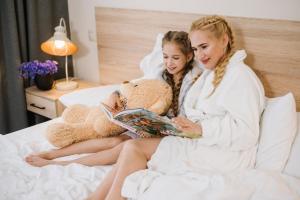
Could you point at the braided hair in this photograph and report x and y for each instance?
(218, 26)
(181, 39)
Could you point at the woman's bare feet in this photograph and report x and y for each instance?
(38, 161)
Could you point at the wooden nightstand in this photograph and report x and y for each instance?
(46, 103)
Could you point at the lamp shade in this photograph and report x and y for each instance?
(50, 47)
(59, 44)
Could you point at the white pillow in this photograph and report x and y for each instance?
(90, 96)
(293, 165)
(277, 132)
(152, 64)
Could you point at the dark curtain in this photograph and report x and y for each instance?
(24, 25)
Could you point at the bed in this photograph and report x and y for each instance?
(124, 37)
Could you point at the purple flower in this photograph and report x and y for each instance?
(32, 68)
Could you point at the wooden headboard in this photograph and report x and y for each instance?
(125, 36)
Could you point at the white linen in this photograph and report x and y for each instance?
(19, 180)
(277, 133)
(211, 185)
(152, 64)
(89, 96)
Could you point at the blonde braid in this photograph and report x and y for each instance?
(218, 26)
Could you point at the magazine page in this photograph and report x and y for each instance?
(111, 114)
(141, 121)
(147, 121)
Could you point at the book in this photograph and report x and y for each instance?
(144, 122)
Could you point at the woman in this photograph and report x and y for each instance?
(223, 107)
(179, 73)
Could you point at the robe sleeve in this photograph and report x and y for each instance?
(242, 99)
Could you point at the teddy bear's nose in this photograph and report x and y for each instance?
(125, 82)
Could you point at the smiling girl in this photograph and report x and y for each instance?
(180, 71)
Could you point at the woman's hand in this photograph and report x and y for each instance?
(187, 126)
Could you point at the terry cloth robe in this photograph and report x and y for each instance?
(187, 83)
(230, 125)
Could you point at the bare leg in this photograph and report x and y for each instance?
(89, 146)
(133, 157)
(102, 191)
(105, 157)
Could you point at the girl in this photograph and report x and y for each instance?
(179, 73)
(223, 106)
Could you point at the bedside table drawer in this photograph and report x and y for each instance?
(41, 106)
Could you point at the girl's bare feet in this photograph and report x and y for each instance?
(45, 154)
(38, 161)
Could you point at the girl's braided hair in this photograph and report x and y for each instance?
(218, 26)
(181, 39)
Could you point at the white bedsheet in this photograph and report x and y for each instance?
(18, 180)
(89, 96)
(208, 185)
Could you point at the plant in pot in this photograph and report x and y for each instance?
(40, 72)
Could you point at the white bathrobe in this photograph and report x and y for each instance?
(230, 126)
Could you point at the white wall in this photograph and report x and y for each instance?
(83, 30)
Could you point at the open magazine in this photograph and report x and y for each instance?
(141, 121)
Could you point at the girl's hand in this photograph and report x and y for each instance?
(187, 126)
(114, 101)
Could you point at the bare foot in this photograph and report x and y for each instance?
(45, 154)
(38, 161)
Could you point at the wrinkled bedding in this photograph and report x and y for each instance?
(209, 185)
(18, 180)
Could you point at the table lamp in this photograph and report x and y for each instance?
(60, 45)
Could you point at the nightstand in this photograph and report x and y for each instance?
(46, 103)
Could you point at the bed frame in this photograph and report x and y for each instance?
(125, 36)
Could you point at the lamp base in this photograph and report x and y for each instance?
(66, 85)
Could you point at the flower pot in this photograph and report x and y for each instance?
(44, 82)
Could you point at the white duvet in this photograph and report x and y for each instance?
(209, 185)
(18, 180)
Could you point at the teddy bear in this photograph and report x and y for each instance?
(80, 122)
